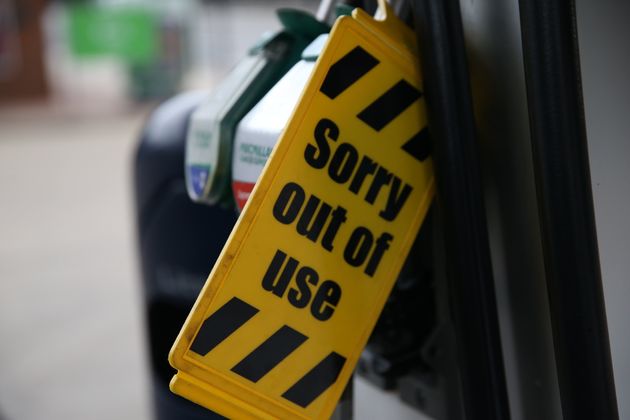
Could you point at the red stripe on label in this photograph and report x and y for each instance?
(242, 190)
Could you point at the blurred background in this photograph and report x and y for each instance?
(78, 79)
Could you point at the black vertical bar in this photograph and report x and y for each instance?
(270, 353)
(389, 105)
(221, 324)
(565, 202)
(316, 381)
(461, 207)
(347, 71)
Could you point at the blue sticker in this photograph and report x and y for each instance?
(197, 177)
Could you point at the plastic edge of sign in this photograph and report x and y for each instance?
(214, 399)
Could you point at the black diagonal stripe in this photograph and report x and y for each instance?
(315, 382)
(389, 105)
(419, 146)
(269, 354)
(345, 72)
(223, 322)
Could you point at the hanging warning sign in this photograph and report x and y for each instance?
(293, 298)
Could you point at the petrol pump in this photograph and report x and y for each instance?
(334, 258)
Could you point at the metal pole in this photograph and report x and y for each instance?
(565, 203)
(461, 208)
(345, 409)
(325, 10)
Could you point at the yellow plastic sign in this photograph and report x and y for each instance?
(295, 294)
